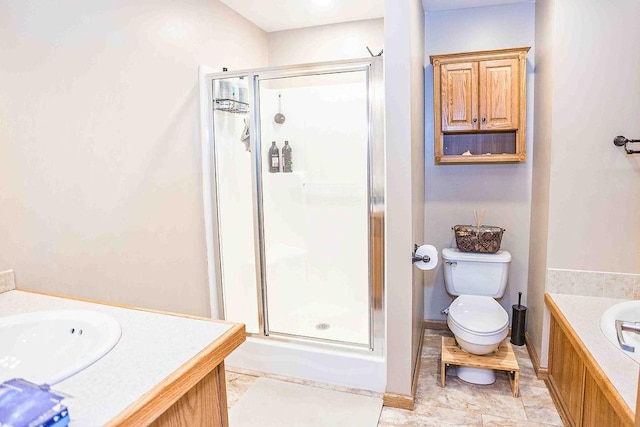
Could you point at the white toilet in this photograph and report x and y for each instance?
(476, 319)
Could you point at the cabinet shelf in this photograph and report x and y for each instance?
(480, 106)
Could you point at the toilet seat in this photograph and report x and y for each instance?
(479, 323)
(478, 315)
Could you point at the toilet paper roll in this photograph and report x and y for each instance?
(432, 253)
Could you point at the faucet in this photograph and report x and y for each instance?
(621, 325)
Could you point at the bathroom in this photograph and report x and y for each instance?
(103, 189)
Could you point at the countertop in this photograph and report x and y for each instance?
(152, 346)
(583, 314)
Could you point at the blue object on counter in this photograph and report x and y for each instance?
(25, 404)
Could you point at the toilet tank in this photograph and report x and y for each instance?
(467, 273)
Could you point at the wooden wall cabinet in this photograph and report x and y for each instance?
(583, 394)
(480, 106)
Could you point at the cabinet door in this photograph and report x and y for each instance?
(459, 92)
(499, 94)
(597, 409)
(566, 373)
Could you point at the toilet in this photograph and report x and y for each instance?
(476, 319)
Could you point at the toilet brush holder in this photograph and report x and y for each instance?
(518, 322)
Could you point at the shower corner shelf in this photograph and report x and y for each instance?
(230, 106)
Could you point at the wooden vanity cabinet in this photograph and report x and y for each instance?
(566, 374)
(584, 396)
(582, 401)
(480, 106)
(597, 410)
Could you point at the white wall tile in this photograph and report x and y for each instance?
(589, 283)
(617, 285)
(560, 281)
(593, 283)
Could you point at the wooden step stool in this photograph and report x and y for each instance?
(503, 359)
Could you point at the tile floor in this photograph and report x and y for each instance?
(459, 403)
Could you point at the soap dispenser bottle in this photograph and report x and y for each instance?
(274, 158)
(286, 158)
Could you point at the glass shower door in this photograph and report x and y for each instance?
(234, 222)
(314, 139)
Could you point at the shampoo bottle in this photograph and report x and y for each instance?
(286, 158)
(274, 158)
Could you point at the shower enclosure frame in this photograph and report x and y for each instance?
(373, 68)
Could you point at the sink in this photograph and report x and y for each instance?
(628, 311)
(46, 347)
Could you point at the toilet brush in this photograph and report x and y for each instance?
(518, 322)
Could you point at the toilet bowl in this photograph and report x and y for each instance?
(478, 322)
(479, 325)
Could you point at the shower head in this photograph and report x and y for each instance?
(279, 118)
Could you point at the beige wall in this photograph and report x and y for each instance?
(403, 96)
(591, 74)
(100, 164)
(453, 191)
(417, 32)
(326, 42)
(541, 156)
(594, 208)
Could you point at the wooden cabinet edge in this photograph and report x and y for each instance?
(611, 394)
(437, 118)
(516, 52)
(563, 411)
(161, 398)
(204, 405)
(480, 159)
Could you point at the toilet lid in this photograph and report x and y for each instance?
(478, 314)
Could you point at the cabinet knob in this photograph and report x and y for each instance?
(475, 120)
(484, 120)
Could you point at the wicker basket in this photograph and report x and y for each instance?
(488, 240)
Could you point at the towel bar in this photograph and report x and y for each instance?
(621, 141)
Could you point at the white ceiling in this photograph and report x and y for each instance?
(277, 15)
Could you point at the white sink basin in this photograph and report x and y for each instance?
(628, 311)
(46, 347)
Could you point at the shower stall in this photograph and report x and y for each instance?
(297, 214)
